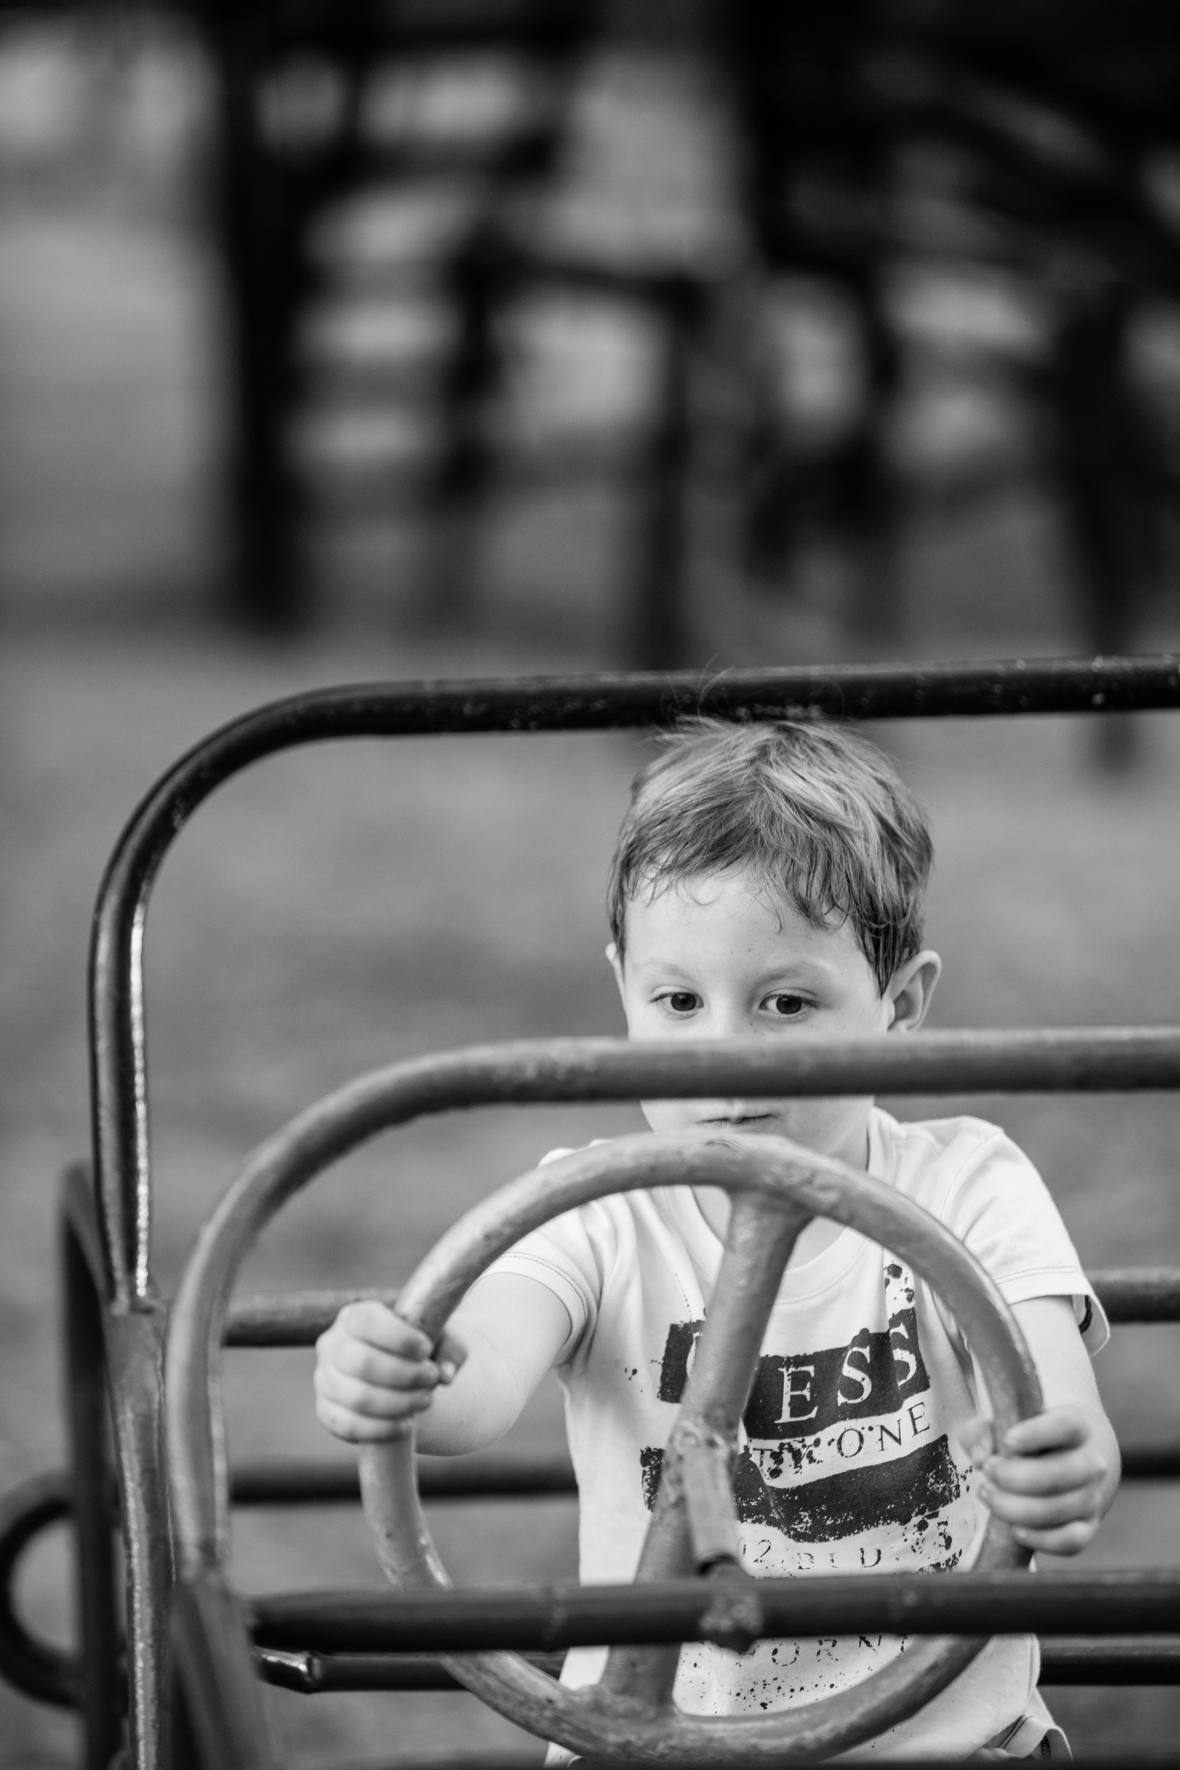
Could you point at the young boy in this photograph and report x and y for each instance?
(769, 881)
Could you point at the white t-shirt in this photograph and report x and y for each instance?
(847, 1458)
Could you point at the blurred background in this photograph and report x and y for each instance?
(480, 336)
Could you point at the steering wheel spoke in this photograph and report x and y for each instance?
(693, 1523)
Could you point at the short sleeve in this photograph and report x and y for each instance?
(997, 1203)
(567, 1256)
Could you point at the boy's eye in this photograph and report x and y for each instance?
(681, 1001)
(785, 1005)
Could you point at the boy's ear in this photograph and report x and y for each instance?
(911, 990)
(616, 964)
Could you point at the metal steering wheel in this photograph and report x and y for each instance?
(777, 1187)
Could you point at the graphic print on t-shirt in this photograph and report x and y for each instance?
(845, 1465)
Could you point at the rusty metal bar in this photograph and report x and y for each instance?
(564, 1614)
(1065, 1659)
(1139, 1294)
(498, 1475)
(314, 1673)
(119, 1099)
(49, 1673)
(1152, 1462)
(221, 1689)
(706, 1472)
(504, 1476)
(489, 1476)
(101, 1692)
(508, 1760)
(297, 1318)
(41, 1669)
(114, 1392)
(1134, 1659)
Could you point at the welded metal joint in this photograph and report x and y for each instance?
(734, 1618)
(700, 1459)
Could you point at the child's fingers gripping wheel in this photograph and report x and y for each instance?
(778, 1187)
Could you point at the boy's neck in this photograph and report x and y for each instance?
(814, 1237)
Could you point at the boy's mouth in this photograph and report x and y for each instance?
(740, 1121)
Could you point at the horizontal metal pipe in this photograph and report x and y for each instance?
(510, 1760)
(290, 1318)
(1065, 1659)
(985, 1060)
(315, 1673)
(486, 1759)
(545, 1618)
(1151, 1462)
(1137, 1659)
(306, 1481)
(297, 1318)
(496, 1475)
(1139, 1294)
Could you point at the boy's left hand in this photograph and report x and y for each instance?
(1049, 1479)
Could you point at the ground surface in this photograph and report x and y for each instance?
(334, 911)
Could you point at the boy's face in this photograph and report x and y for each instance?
(715, 958)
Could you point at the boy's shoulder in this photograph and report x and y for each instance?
(921, 1155)
(962, 1130)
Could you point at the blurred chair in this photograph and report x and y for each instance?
(1029, 149)
(893, 164)
(454, 110)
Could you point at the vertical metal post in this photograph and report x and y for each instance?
(87, 1434)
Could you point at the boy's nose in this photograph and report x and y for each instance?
(727, 1023)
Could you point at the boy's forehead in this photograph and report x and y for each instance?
(733, 885)
(679, 910)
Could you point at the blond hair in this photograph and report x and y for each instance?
(813, 811)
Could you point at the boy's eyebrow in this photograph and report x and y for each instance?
(658, 962)
(820, 968)
(800, 969)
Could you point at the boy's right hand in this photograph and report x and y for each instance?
(374, 1372)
